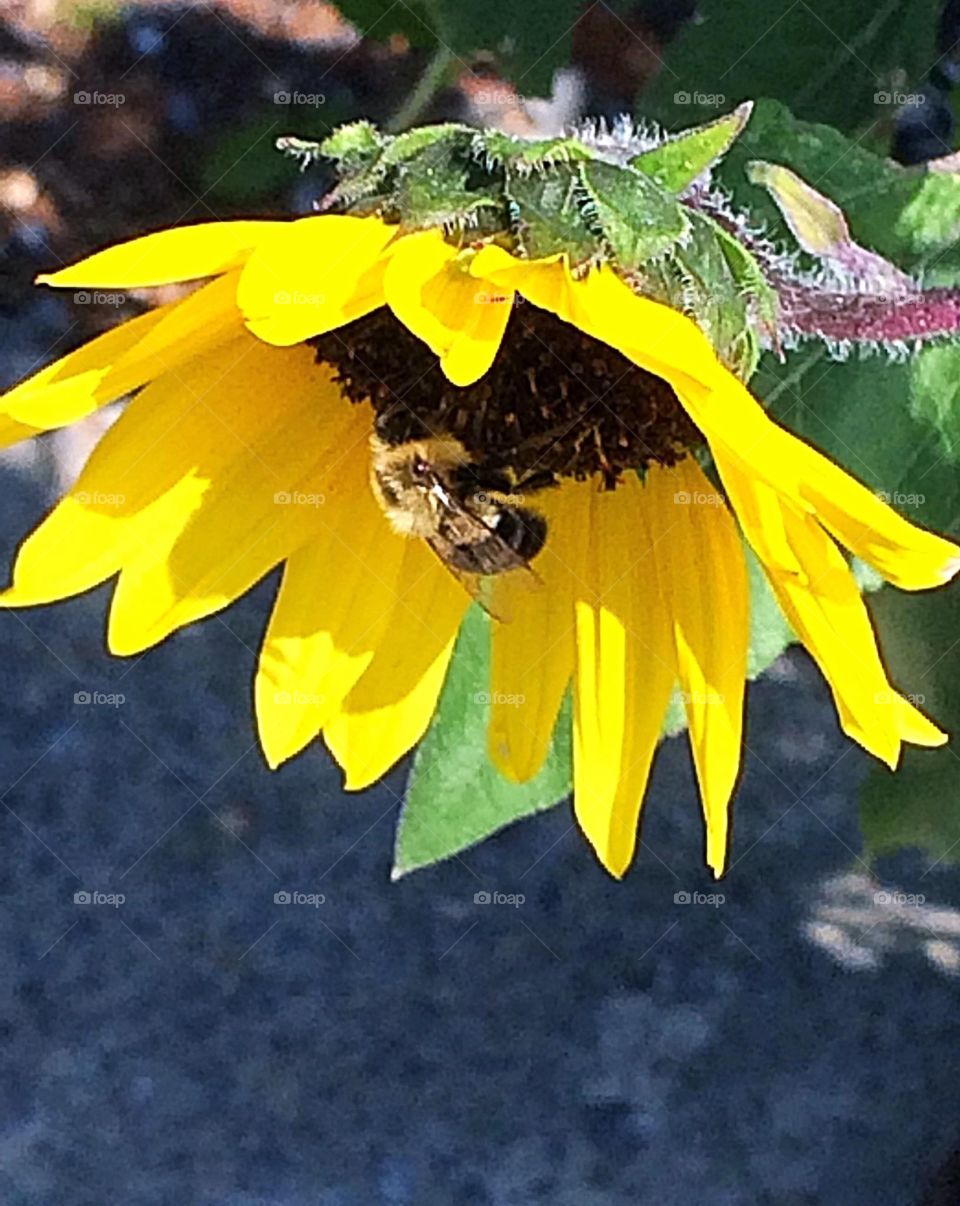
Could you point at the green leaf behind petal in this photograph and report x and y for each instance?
(770, 634)
(456, 797)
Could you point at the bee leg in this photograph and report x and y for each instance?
(534, 482)
(610, 475)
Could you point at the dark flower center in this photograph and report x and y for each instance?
(554, 402)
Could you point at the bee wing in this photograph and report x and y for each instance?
(493, 591)
(502, 590)
(477, 586)
(463, 537)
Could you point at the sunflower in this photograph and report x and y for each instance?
(247, 445)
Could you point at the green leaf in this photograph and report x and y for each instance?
(916, 808)
(719, 289)
(770, 633)
(456, 797)
(820, 227)
(433, 187)
(354, 145)
(525, 153)
(919, 806)
(859, 413)
(815, 221)
(439, 198)
(449, 137)
(676, 164)
(750, 281)
(910, 215)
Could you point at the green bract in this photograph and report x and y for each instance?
(598, 197)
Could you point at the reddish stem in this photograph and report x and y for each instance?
(868, 318)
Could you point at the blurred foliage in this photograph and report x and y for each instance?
(531, 39)
(919, 806)
(826, 60)
(911, 215)
(242, 166)
(86, 15)
(865, 411)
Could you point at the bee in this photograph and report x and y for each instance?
(469, 513)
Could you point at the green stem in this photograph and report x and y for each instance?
(428, 85)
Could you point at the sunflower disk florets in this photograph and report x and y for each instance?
(556, 399)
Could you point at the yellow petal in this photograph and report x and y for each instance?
(207, 317)
(829, 616)
(461, 319)
(265, 444)
(740, 433)
(125, 357)
(389, 709)
(312, 276)
(80, 382)
(322, 635)
(704, 577)
(185, 253)
(667, 343)
(652, 335)
(122, 502)
(332, 612)
(906, 555)
(914, 727)
(85, 540)
(12, 432)
(625, 669)
(532, 653)
(167, 491)
(762, 511)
